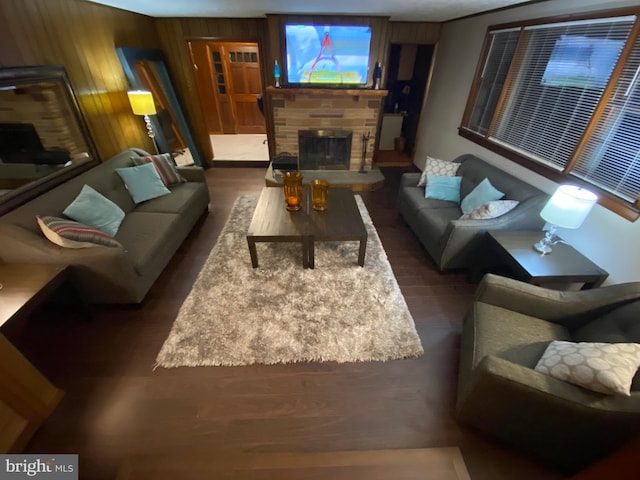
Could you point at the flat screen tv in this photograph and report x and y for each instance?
(579, 61)
(329, 55)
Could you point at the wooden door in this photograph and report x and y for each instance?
(229, 84)
(246, 86)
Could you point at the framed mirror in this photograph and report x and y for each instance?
(44, 139)
(146, 69)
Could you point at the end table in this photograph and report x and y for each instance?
(513, 250)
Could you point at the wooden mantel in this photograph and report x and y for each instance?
(337, 92)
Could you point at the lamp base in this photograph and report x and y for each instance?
(544, 245)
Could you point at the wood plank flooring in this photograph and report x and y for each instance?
(116, 405)
(396, 464)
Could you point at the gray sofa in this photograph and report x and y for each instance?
(150, 233)
(453, 243)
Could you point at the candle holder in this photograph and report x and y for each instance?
(319, 193)
(292, 190)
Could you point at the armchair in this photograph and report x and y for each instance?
(504, 335)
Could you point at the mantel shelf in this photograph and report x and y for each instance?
(355, 92)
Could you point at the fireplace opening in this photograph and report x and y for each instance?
(324, 149)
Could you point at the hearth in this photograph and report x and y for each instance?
(321, 149)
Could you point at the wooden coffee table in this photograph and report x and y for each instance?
(341, 221)
(272, 222)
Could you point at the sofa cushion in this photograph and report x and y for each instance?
(145, 235)
(435, 166)
(184, 197)
(483, 192)
(143, 182)
(443, 188)
(70, 234)
(93, 209)
(602, 367)
(513, 336)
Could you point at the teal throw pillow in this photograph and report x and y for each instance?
(483, 193)
(440, 187)
(93, 209)
(143, 182)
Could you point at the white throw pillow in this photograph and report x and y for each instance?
(602, 367)
(435, 166)
(490, 210)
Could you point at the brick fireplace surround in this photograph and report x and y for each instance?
(357, 110)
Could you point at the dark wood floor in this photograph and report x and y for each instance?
(117, 405)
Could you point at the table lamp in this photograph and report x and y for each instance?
(567, 208)
(142, 104)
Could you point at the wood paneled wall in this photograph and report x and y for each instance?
(82, 37)
(414, 32)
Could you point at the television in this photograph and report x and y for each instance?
(579, 61)
(329, 55)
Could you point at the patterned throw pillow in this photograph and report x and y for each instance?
(601, 367)
(165, 167)
(70, 234)
(435, 166)
(488, 210)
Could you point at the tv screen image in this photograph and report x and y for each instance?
(327, 54)
(578, 61)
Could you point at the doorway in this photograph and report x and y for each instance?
(229, 86)
(407, 77)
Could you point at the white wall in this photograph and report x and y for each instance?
(606, 238)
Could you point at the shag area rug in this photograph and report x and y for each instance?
(282, 313)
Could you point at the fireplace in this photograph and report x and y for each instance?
(321, 149)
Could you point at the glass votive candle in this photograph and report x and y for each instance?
(292, 190)
(319, 194)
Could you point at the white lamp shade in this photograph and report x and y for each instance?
(569, 206)
(141, 102)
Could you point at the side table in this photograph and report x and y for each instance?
(514, 251)
(27, 398)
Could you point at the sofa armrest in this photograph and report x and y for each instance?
(410, 179)
(462, 237)
(552, 419)
(192, 174)
(563, 307)
(20, 245)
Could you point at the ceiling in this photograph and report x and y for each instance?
(397, 10)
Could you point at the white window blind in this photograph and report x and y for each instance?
(502, 45)
(563, 99)
(611, 156)
(559, 75)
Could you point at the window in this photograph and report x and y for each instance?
(564, 99)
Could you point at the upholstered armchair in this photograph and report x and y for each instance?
(505, 334)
